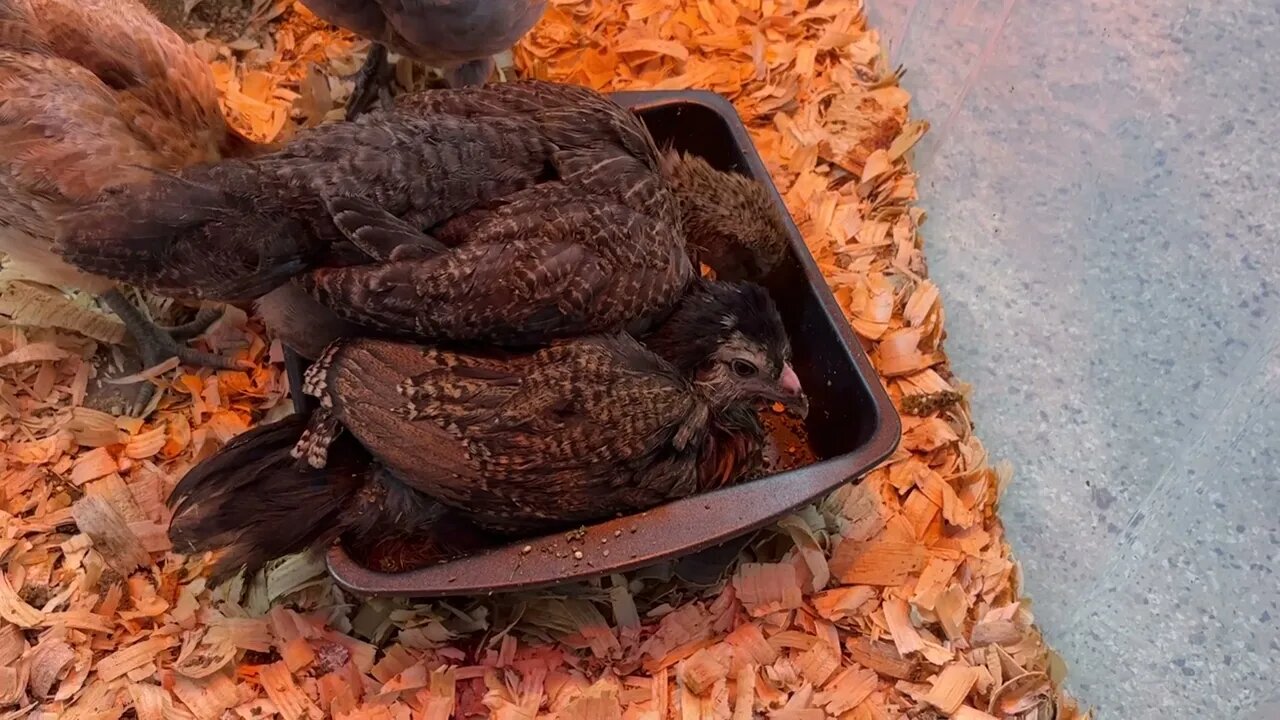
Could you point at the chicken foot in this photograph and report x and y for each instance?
(469, 74)
(157, 344)
(475, 73)
(188, 330)
(373, 82)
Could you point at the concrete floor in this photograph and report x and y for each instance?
(1102, 183)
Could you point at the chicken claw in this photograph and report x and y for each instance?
(470, 74)
(373, 83)
(190, 330)
(157, 344)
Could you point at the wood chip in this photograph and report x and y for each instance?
(1001, 632)
(876, 563)
(951, 687)
(33, 353)
(933, 582)
(34, 305)
(207, 698)
(765, 588)
(847, 690)
(150, 702)
(12, 643)
(111, 534)
(883, 658)
(751, 643)
(701, 672)
(965, 712)
(95, 429)
(843, 602)
(951, 607)
(47, 663)
(147, 444)
(92, 465)
(120, 662)
(150, 373)
(202, 656)
(818, 664)
(15, 609)
(288, 698)
(898, 618)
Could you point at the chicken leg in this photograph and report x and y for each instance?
(470, 74)
(193, 329)
(157, 344)
(373, 82)
(374, 79)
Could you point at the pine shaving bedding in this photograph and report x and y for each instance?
(895, 597)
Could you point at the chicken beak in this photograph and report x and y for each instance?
(791, 394)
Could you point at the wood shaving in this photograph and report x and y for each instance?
(34, 305)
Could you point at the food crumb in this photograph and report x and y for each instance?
(577, 554)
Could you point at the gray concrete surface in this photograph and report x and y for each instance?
(1102, 186)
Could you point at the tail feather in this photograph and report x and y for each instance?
(253, 499)
(212, 233)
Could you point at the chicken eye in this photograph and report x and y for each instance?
(743, 369)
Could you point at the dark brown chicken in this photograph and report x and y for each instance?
(94, 93)
(516, 212)
(515, 443)
(460, 36)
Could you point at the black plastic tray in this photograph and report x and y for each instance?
(852, 424)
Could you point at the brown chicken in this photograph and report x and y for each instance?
(460, 36)
(510, 214)
(93, 94)
(514, 443)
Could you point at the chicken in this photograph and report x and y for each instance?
(93, 94)
(514, 443)
(461, 36)
(514, 213)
